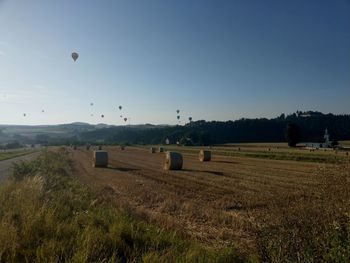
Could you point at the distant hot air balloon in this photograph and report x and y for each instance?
(24, 114)
(102, 116)
(125, 119)
(178, 117)
(177, 111)
(190, 119)
(120, 107)
(42, 110)
(121, 116)
(91, 104)
(75, 56)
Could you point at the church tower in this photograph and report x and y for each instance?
(326, 136)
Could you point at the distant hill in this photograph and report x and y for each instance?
(57, 133)
(311, 123)
(28, 134)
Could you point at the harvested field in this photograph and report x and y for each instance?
(219, 203)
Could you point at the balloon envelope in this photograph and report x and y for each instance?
(102, 116)
(178, 117)
(120, 107)
(75, 56)
(125, 119)
(177, 111)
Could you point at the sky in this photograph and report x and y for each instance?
(212, 60)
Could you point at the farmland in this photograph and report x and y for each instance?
(234, 208)
(233, 201)
(13, 153)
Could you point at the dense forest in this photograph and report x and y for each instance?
(312, 126)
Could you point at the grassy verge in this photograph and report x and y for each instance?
(47, 216)
(13, 154)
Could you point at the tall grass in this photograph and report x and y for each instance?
(47, 216)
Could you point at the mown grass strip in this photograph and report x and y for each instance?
(13, 154)
(288, 156)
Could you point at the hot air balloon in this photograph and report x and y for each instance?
(102, 116)
(43, 111)
(177, 111)
(75, 56)
(91, 104)
(121, 116)
(120, 107)
(24, 114)
(125, 119)
(178, 117)
(190, 119)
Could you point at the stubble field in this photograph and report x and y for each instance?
(230, 201)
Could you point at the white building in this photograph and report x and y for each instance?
(326, 144)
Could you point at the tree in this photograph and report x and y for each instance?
(293, 134)
(204, 138)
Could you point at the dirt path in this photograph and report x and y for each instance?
(6, 165)
(215, 202)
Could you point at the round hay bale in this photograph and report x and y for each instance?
(152, 150)
(100, 159)
(160, 149)
(204, 156)
(173, 161)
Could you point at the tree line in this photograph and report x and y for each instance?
(310, 125)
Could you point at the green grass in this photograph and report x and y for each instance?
(287, 156)
(48, 216)
(13, 154)
(291, 156)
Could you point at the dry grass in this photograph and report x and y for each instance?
(309, 226)
(47, 216)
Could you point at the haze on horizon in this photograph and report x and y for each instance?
(213, 61)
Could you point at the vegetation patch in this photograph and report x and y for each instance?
(13, 154)
(288, 156)
(47, 216)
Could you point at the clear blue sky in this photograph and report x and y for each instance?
(210, 59)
